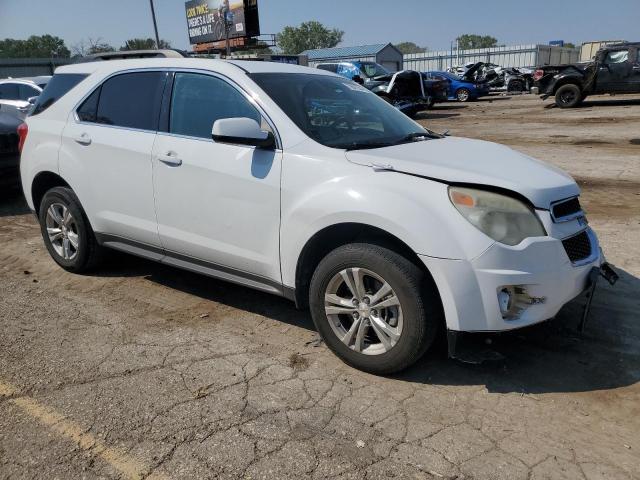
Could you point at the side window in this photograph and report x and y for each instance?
(197, 101)
(329, 67)
(8, 91)
(132, 100)
(88, 111)
(25, 92)
(619, 56)
(638, 56)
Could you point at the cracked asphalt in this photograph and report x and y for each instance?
(144, 371)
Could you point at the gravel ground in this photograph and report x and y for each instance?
(143, 371)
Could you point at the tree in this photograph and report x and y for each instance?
(469, 41)
(309, 35)
(410, 47)
(90, 46)
(144, 44)
(43, 46)
(569, 45)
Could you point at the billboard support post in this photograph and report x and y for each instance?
(155, 24)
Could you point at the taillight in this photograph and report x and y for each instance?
(23, 129)
(538, 74)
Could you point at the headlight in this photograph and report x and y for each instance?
(503, 218)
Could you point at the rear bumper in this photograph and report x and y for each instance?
(469, 288)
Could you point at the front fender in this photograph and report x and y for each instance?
(415, 210)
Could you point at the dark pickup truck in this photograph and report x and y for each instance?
(615, 70)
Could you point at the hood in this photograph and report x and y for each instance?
(468, 75)
(462, 160)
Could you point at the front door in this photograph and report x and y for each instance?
(614, 72)
(217, 204)
(635, 71)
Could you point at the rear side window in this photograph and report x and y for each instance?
(8, 91)
(329, 67)
(199, 100)
(131, 100)
(56, 88)
(88, 111)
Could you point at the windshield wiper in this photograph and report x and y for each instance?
(416, 135)
(363, 145)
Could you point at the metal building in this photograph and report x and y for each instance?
(29, 67)
(383, 53)
(507, 56)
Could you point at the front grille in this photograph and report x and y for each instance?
(578, 247)
(566, 208)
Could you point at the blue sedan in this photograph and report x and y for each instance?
(460, 89)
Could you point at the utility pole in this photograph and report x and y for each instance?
(155, 25)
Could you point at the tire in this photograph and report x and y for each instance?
(412, 319)
(68, 236)
(463, 95)
(516, 86)
(569, 96)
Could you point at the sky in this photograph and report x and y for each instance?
(433, 24)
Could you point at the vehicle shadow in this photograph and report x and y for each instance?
(554, 356)
(206, 288)
(550, 357)
(12, 202)
(626, 102)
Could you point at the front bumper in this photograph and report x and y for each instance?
(469, 288)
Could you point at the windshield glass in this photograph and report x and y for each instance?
(339, 113)
(371, 69)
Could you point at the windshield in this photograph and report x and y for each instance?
(371, 69)
(339, 113)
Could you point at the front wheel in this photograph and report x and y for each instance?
(374, 309)
(463, 95)
(569, 96)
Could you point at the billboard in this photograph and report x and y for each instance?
(206, 19)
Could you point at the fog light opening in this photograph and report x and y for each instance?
(513, 300)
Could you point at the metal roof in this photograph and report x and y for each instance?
(345, 52)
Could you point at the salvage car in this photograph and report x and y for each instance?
(460, 89)
(497, 78)
(18, 94)
(304, 184)
(615, 70)
(409, 91)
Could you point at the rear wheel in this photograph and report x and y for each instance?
(66, 231)
(375, 309)
(569, 96)
(463, 95)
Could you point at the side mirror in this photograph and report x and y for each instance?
(358, 79)
(242, 131)
(32, 100)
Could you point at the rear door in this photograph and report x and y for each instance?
(106, 151)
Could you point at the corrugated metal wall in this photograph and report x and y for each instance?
(313, 63)
(29, 67)
(507, 56)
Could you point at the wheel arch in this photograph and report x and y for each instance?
(561, 82)
(336, 235)
(42, 183)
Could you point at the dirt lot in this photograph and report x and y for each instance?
(143, 371)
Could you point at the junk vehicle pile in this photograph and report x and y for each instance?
(614, 70)
(408, 90)
(496, 77)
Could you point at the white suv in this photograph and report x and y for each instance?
(301, 183)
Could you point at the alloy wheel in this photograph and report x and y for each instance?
(62, 231)
(363, 310)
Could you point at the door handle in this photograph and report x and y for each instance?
(83, 139)
(170, 158)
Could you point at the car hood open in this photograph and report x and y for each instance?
(466, 161)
